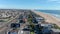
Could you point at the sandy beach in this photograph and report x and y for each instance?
(49, 18)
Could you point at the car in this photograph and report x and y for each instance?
(21, 21)
(15, 25)
(26, 29)
(12, 33)
(21, 32)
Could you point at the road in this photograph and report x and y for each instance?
(5, 28)
(14, 20)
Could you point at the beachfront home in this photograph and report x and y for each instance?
(40, 19)
(47, 25)
(46, 28)
(46, 31)
(55, 31)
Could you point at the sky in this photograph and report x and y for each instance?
(30, 4)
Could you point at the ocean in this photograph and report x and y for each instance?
(55, 13)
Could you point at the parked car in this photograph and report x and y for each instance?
(26, 29)
(21, 21)
(15, 25)
(12, 33)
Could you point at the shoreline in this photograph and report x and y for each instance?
(55, 15)
(52, 15)
(48, 18)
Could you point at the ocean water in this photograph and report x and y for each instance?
(55, 13)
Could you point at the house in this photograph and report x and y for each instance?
(55, 31)
(46, 31)
(40, 19)
(46, 28)
(47, 25)
(37, 29)
(34, 21)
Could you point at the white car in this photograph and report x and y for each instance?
(20, 32)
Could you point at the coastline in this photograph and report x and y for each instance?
(48, 18)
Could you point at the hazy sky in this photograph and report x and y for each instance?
(30, 4)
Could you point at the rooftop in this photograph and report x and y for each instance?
(55, 30)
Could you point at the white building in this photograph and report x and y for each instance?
(47, 25)
(39, 19)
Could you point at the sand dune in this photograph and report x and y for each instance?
(49, 18)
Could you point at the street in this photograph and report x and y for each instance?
(7, 26)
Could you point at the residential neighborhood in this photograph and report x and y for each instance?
(15, 21)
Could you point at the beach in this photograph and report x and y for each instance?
(49, 18)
